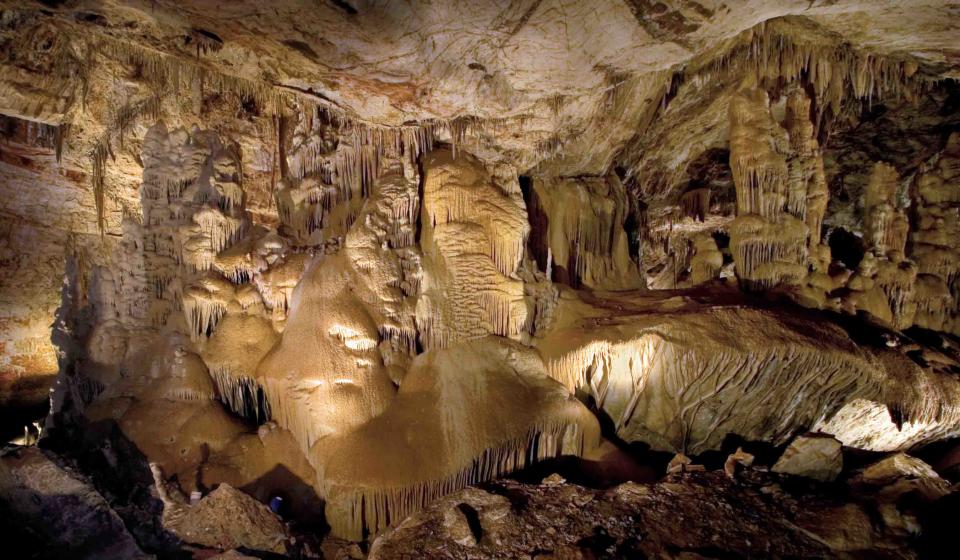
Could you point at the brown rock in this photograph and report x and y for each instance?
(227, 518)
(844, 528)
(681, 464)
(813, 456)
(60, 508)
(462, 524)
(740, 457)
(899, 474)
(553, 480)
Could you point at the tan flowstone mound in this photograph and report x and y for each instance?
(438, 435)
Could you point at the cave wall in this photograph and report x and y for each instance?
(48, 244)
(248, 275)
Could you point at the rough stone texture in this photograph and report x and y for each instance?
(684, 516)
(900, 474)
(682, 372)
(812, 456)
(227, 518)
(59, 510)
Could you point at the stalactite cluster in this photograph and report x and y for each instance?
(768, 238)
(579, 234)
(934, 243)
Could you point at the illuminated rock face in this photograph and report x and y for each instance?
(681, 376)
(412, 259)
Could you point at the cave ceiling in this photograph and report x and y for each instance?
(552, 87)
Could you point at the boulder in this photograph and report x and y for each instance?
(682, 464)
(227, 518)
(815, 456)
(60, 509)
(844, 528)
(900, 474)
(736, 460)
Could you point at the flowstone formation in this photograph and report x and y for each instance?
(352, 260)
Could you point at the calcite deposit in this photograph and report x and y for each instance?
(352, 259)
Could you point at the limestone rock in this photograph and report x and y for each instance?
(682, 464)
(899, 474)
(633, 354)
(553, 480)
(227, 518)
(438, 436)
(61, 509)
(736, 460)
(384, 226)
(843, 528)
(813, 456)
(232, 555)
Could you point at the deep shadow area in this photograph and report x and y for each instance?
(121, 474)
(300, 503)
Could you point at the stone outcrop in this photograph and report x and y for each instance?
(680, 516)
(815, 456)
(227, 518)
(58, 510)
(681, 374)
(366, 255)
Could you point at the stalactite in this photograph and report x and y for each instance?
(935, 242)
(886, 222)
(580, 224)
(696, 203)
(99, 164)
(759, 171)
(202, 315)
(243, 395)
(373, 509)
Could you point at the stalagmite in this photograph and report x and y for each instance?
(807, 184)
(886, 221)
(707, 259)
(935, 244)
(759, 170)
(353, 259)
(768, 239)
